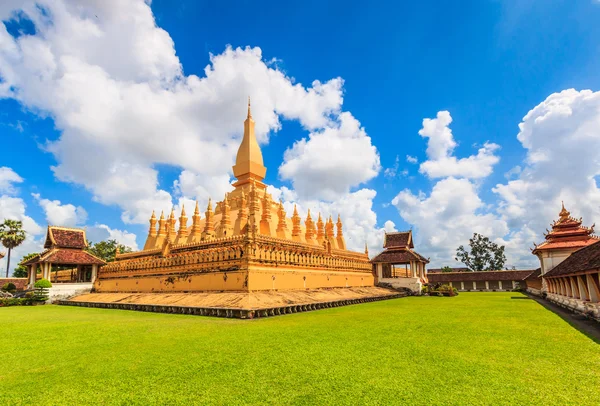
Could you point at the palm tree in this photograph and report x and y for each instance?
(11, 236)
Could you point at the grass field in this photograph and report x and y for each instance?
(477, 348)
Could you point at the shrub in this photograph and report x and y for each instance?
(9, 287)
(14, 301)
(43, 284)
(41, 290)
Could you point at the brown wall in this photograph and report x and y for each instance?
(20, 283)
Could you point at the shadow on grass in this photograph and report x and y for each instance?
(588, 327)
(520, 297)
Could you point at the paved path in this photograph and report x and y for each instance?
(588, 327)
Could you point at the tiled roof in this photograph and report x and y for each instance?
(65, 237)
(71, 256)
(438, 270)
(479, 276)
(534, 275)
(552, 245)
(399, 256)
(65, 256)
(582, 260)
(401, 239)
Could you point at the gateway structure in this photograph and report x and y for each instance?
(244, 243)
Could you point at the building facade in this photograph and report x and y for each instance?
(485, 281)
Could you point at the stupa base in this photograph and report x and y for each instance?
(243, 305)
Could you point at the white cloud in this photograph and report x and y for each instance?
(13, 208)
(110, 79)
(561, 138)
(331, 161)
(440, 146)
(412, 159)
(393, 171)
(447, 218)
(8, 178)
(102, 232)
(59, 214)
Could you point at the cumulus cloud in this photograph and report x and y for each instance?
(447, 218)
(102, 232)
(442, 163)
(332, 160)
(13, 207)
(8, 178)
(110, 79)
(411, 159)
(561, 138)
(60, 214)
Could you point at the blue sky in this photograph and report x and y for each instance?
(486, 63)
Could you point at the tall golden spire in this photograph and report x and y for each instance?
(296, 230)
(196, 230)
(152, 231)
(265, 220)
(249, 160)
(209, 228)
(320, 229)
(182, 233)
(162, 224)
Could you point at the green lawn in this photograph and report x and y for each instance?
(477, 348)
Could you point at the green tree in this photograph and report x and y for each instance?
(11, 236)
(447, 269)
(105, 250)
(483, 256)
(21, 271)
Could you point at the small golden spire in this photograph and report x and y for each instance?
(183, 210)
(249, 112)
(153, 216)
(366, 249)
(197, 210)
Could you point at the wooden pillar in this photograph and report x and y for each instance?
(593, 288)
(32, 274)
(574, 290)
(94, 272)
(487, 285)
(462, 286)
(581, 285)
(474, 285)
(499, 285)
(413, 269)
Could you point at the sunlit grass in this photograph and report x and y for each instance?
(477, 348)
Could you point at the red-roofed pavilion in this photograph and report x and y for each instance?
(64, 248)
(399, 264)
(567, 236)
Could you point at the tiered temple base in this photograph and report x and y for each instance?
(243, 305)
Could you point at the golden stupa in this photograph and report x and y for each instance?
(245, 243)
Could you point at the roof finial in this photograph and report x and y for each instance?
(249, 112)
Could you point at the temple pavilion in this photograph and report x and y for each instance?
(244, 242)
(65, 252)
(399, 264)
(570, 265)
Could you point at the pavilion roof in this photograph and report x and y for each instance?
(399, 256)
(401, 239)
(567, 233)
(64, 237)
(66, 256)
(582, 260)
